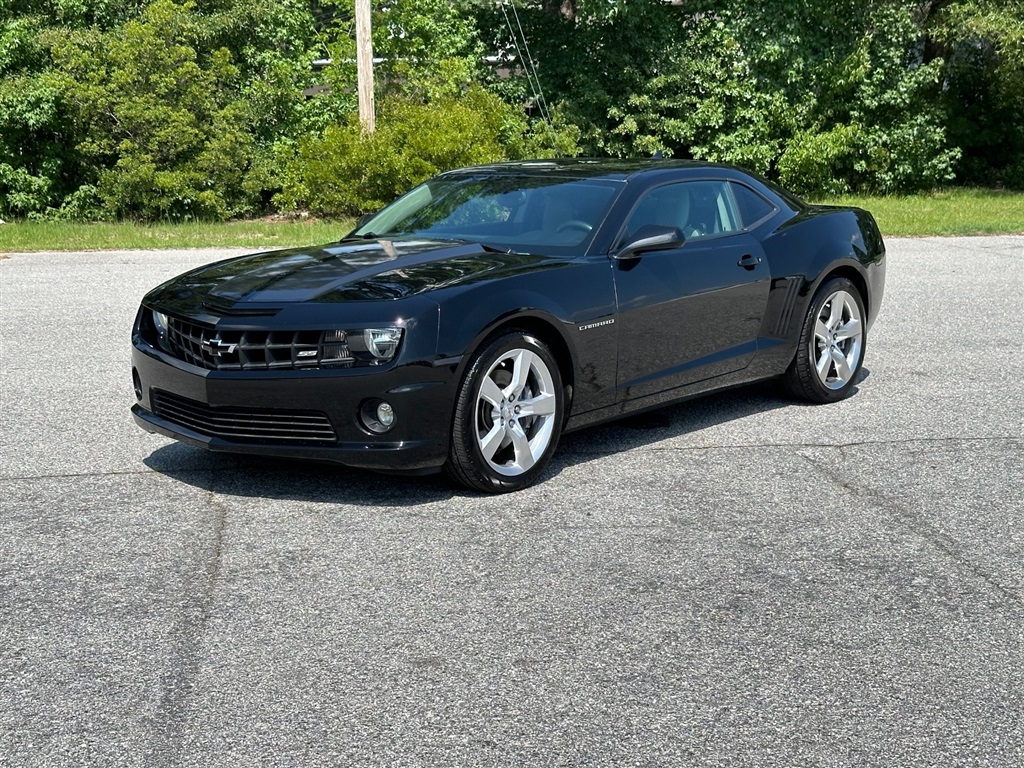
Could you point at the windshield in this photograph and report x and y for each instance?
(522, 213)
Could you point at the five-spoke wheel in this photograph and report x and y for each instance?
(508, 416)
(831, 346)
(838, 333)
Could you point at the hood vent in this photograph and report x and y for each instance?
(225, 310)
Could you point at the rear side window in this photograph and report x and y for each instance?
(701, 208)
(751, 206)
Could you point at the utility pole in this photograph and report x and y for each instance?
(364, 66)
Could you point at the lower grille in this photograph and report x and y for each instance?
(252, 425)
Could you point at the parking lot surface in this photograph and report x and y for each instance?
(739, 580)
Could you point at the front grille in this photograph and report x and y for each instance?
(214, 350)
(252, 425)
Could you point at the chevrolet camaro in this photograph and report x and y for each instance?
(468, 324)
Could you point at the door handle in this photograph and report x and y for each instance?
(749, 261)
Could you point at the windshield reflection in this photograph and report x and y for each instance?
(528, 213)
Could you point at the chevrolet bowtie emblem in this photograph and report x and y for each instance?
(217, 347)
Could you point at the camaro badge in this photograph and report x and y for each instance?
(598, 324)
(217, 347)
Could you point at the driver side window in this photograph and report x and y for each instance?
(697, 208)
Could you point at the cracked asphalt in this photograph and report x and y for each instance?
(735, 581)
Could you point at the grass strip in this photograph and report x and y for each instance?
(261, 234)
(945, 213)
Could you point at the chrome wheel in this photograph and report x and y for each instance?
(515, 412)
(508, 414)
(830, 351)
(836, 346)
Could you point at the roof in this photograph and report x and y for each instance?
(622, 170)
(584, 167)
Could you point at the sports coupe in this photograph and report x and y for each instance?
(468, 324)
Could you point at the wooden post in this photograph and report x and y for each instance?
(364, 66)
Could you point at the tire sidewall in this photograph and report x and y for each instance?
(476, 470)
(805, 362)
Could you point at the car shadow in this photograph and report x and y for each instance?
(273, 478)
(260, 477)
(670, 421)
(648, 427)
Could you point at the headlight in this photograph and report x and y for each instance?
(382, 343)
(369, 346)
(160, 323)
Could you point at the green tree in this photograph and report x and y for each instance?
(982, 42)
(162, 126)
(425, 49)
(150, 110)
(38, 162)
(175, 109)
(433, 114)
(752, 82)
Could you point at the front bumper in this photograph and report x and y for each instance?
(422, 396)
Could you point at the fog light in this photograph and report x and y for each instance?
(376, 416)
(386, 415)
(137, 383)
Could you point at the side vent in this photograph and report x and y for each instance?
(788, 304)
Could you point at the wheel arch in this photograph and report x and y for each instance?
(802, 378)
(540, 325)
(468, 463)
(852, 274)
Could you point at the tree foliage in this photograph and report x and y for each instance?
(161, 134)
(179, 109)
(346, 170)
(826, 97)
(433, 114)
(982, 42)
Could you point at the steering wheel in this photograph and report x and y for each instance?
(574, 224)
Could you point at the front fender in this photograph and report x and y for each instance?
(573, 317)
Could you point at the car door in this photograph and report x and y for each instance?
(693, 312)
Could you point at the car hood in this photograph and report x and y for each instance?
(352, 271)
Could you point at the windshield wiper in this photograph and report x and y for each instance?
(364, 236)
(492, 248)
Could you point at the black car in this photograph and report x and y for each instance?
(468, 324)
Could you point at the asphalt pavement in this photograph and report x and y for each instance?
(739, 580)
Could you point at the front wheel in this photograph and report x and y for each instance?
(831, 347)
(508, 416)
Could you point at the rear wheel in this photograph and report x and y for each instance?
(508, 416)
(831, 348)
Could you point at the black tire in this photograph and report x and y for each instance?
(833, 338)
(496, 446)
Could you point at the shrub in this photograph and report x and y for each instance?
(347, 171)
(808, 166)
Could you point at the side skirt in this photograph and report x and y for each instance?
(759, 370)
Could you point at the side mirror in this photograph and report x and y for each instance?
(650, 238)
